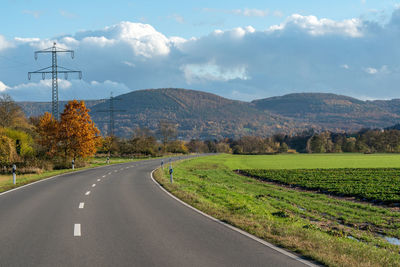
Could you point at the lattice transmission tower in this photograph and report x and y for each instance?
(54, 70)
(111, 109)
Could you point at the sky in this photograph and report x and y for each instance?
(241, 50)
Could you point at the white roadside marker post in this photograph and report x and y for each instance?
(14, 170)
(73, 164)
(170, 174)
(162, 164)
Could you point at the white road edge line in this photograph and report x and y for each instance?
(77, 229)
(87, 193)
(56, 176)
(265, 243)
(81, 205)
(93, 185)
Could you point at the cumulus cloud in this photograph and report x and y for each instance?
(74, 89)
(371, 70)
(315, 26)
(4, 44)
(213, 72)
(3, 87)
(355, 57)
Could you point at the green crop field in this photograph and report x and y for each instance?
(375, 184)
(309, 161)
(333, 231)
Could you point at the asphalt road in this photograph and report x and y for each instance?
(126, 220)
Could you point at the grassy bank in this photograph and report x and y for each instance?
(333, 231)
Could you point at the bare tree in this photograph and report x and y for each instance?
(168, 131)
(11, 115)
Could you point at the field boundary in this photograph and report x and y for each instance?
(259, 240)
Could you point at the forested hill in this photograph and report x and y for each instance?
(197, 114)
(203, 115)
(333, 112)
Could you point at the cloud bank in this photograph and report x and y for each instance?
(302, 54)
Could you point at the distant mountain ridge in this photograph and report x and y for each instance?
(204, 115)
(333, 112)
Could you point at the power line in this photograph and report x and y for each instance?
(111, 109)
(54, 71)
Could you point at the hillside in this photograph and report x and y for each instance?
(333, 112)
(197, 114)
(203, 115)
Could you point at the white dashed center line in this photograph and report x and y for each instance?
(98, 180)
(104, 176)
(93, 185)
(115, 171)
(87, 193)
(81, 205)
(109, 173)
(77, 229)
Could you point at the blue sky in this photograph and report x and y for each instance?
(237, 49)
(46, 19)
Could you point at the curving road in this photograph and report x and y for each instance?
(117, 216)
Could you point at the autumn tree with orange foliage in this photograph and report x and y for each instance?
(78, 135)
(74, 136)
(47, 129)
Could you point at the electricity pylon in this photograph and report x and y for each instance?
(54, 71)
(111, 111)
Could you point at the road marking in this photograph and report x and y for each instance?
(109, 173)
(77, 229)
(93, 185)
(259, 240)
(115, 171)
(87, 193)
(104, 176)
(98, 180)
(81, 205)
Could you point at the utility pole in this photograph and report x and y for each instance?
(54, 71)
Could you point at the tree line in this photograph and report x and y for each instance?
(41, 143)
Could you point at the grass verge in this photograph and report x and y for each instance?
(331, 231)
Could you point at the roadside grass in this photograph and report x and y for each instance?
(332, 231)
(6, 181)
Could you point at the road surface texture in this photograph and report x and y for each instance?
(117, 216)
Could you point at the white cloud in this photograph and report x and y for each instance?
(384, 70)
(4, 44)
(143, 38)
(304, 53)
(251, 12)
(130, 64)
(278, 13)
(177, 18)
(3, 87)
(315, 26)
(213, 72)
(67, 14)
(74, 89)
(371, 70)
(35, 13)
